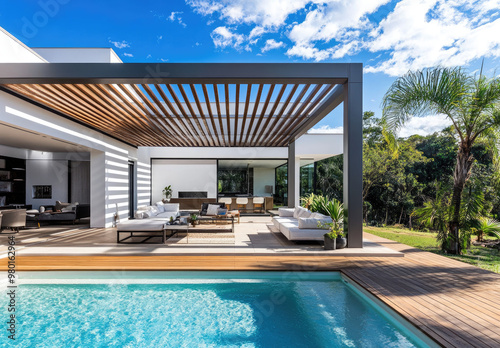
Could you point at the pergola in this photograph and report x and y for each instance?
(205, 105)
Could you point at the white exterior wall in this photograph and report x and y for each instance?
(78, 55)
(14, 51)
(109, 158)
(319, 146)
(184, 175)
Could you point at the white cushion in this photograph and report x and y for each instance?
(147, 214)
(160, 207)
(286, 212)
(313, 223)
(144, 207)
(212, 209)
(301, 212)
(319, 216)
(154, 210)
(140, 225)
(292, 232)
(277, 220)
(166, 215)
(42, 209)
(139, 214)
(171, 207)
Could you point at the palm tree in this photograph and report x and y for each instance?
(472, 105)
(487, 226)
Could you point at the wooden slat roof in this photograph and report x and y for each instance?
(225, 111)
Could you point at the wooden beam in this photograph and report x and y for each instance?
(159, 120)
(245, 113)
(327, 105)
(177, 130)
(279, 118)
(298, 114)
(276, 103)
(190, 136)
(209, 108)
(289, 114)
(262, 114)
(202, 114)
(236, 113)
(228, 114)
(255, 107)
(199, 128)
(219, 115)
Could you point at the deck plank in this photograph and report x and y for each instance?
(456, 304)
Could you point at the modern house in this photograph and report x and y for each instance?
(82, 126)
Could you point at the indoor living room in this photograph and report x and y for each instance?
(43, 180)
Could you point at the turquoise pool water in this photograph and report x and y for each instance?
(161, 309)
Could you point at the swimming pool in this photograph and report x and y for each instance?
(200, 309)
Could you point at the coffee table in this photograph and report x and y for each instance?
(217, 218)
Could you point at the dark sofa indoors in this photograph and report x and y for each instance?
(81, 211)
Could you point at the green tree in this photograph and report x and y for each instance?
(471, 103)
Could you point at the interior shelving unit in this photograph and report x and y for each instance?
(12, 181)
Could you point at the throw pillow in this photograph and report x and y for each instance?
(160, 206)
(301, 212)
(212, 209)
(139, 214)
(42, 209)
(147, 214)
(305, 214)
(59, 205)
(318, 216)
(154, 210)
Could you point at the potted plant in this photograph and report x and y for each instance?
(167, 191)
(331, 239)
(335, 210)
(341, 240)
(171, 220)
(194, 219)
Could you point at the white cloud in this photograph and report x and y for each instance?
(326, 130)
(223, 37)
(424, 125)
(406, 34)
(175, 16)
(128, 54)
(120, 44)
(257, 31)
(272, 44)
(309, 52)
(427, 33)
(264, 13)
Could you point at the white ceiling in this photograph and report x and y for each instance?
(25, 139)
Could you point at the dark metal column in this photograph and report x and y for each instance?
(292, 176)
(353, 156)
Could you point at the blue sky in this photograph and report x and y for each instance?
(388, 37)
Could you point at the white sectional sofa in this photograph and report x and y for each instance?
(158, 211)
(150, 221)
(300, 224)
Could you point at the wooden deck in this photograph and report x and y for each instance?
(456, 304)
